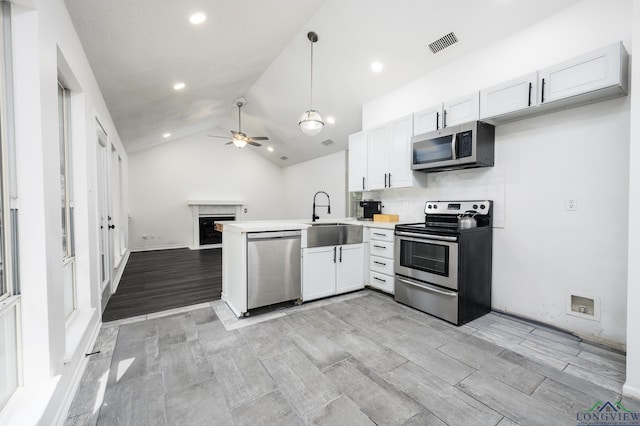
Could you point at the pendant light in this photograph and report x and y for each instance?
(311, 121)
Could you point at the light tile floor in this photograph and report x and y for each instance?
(357, 359)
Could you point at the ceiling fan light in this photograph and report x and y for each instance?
(311, 122)
(239, 142)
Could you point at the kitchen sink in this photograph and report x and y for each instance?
(333, 234)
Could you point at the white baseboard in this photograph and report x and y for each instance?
(157, 248)
(631, 391)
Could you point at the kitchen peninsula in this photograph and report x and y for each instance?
(293, 260)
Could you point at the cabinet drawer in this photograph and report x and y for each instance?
(381, 248)
(381, 264)
(382, 282)
(381, 234)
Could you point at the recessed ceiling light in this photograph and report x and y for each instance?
(331, 120)
(376, 66)
(270, 148)
(197, 18)
(166, 135)
(179, 86)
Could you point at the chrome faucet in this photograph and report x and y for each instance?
(328, 206)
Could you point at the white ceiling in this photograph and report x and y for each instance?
(259, 49)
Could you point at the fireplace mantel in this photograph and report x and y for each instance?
(200, 208)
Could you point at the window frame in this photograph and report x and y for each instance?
(67, 206)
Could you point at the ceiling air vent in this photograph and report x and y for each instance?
(443, 42)
(327, 142)
(284, 157)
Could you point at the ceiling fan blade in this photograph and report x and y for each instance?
(254, 143)
(229, 143)
(216, 136)
(259, 138)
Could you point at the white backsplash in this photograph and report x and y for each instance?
(474, 184)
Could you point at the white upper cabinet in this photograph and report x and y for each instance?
(427, 120)
(400, 133)
(378, 157)
(461, 110)
(605, 68)
(508, 97)
(389, 155)
(358, 162)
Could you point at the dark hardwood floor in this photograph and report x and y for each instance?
(154, 281)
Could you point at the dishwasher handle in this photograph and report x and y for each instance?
(271, 235)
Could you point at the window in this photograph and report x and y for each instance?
(9, 279)
(66, 201)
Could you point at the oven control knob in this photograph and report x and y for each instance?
(482, 206)
(429, 206)
(475, 206)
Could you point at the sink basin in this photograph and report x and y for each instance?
(333, 234)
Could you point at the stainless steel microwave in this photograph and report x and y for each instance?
(457, 147)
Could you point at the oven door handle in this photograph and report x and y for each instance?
(428, 288)
(427, 236)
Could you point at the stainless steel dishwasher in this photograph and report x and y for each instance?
(273, 267)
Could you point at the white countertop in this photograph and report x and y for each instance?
(283, 225)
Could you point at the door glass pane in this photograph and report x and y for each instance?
(8, 355)
(433, 258)
(63, 170)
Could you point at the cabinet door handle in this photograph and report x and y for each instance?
(334, 254)
(542, 96)
(340, 254)
(437, 121)
(389, 180)
(385, 180)
(444, 120)
(379, 263)
(380, 247)
(363, 183)
(379, 234)
(379, 279)
(530, 88)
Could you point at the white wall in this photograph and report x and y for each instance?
(632, 385)
(163, 178)
(540, 162)
(303, 180)
(44, 44)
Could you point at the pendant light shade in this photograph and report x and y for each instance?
(311, 121)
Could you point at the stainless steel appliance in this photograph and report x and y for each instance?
(456, 147)
(368, 209)
(443, 266)
(273, 267)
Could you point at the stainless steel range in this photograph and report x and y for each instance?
(443, 265)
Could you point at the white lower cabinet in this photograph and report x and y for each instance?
(381, 248)
(327, 271)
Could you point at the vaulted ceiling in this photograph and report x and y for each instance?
(259, 49)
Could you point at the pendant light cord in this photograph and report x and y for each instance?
(311, 93)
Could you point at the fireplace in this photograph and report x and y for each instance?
(208, 233)
(205, 214)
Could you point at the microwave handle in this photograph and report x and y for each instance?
(453, 147)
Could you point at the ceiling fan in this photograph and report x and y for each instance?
(238, 138)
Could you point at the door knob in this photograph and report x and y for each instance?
(112, 226)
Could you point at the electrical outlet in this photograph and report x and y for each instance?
(572, 204)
